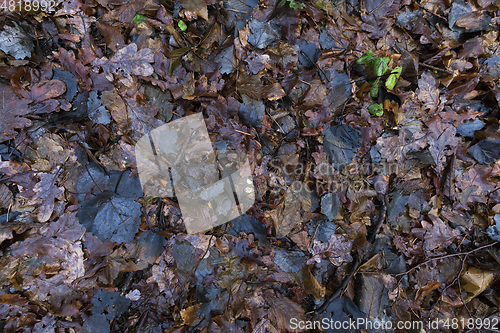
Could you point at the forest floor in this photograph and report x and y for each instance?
(371, 129)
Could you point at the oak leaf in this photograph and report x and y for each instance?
(12, 113)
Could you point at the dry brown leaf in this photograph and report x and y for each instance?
(428, 92)
(475, 281)
(46, 191)
(5, 196)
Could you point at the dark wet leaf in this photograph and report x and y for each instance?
(330, 204)
(12, 112)
(472, 48)
(184, 255)
(321, 229)
(109, 304)
(340, 143)
(46, 192)
(374, 295)
(378, 15)
(126, 62)
(226, 60)
(337, 250)
(467, 129)
(197, 7)
(493, 64)
(156, 96)
(262, 34)
(250, 85)
(442, 142)
(252, 111)
(494, 231)
(96, 324)
(69, 80)
(463, 17)
(75, 67)
(111, 217)
(309, 54)
(486, 151)
(249, 225)
(340, 311)
(396, 205)
(339, 89)
(435, 235)
(428, 92)
(332, 38)
(97, 112)
(244, 6)
(112, 35)
(289, 261)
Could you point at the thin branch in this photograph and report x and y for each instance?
(446, 256)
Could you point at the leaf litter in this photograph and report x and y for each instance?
(371, 129)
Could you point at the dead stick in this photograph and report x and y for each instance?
(446, 256)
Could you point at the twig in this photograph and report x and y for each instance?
(381, 220)
(435, 68)
(446, 256)
(428, 11)
(341, 288)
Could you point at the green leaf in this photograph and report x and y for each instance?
(139, 18)
(176, 58)
(376, 110)
(182, 25)
(374, 90)
(367, 58)
(391, 80)
(381, 66)
(296, 5)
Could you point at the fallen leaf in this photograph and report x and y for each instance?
(126, 62)
(46, 192)
(486, 151)
(262, 34)
(437, 235)
(340, 143)
(197, 7)
(337, 250)
(442, 142)
(475, 281)
(16, 42)
(428, 92)
(12, 113)
(377, 16)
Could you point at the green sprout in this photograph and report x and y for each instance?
(391, 80)
(380, 66)
(376, 110)
(139, 18)
(294, 4)
(182, 25)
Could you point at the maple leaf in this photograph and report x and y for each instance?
(46, 191)
(475, 185)
(127, 61)
(377, 17)
(337, 249)
(435, 235)
(395, 148)
(12, 112)
(428, 92)
(442, 141)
